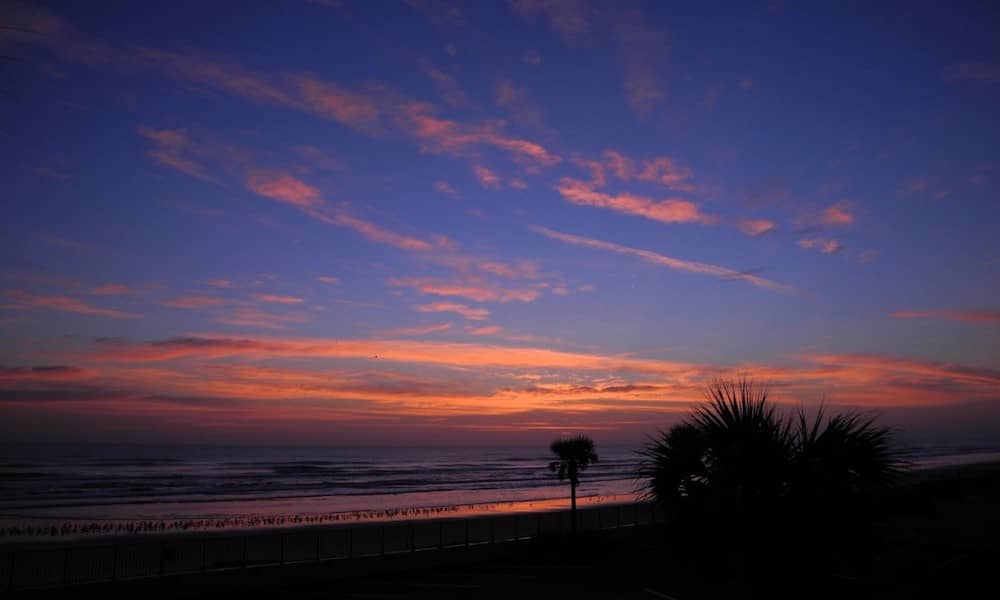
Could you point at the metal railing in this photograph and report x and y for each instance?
(55, 564)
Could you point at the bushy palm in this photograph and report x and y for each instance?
(573, 455)
(739, 472)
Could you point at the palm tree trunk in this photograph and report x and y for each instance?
(572, 511)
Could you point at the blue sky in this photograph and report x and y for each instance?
(598, 206)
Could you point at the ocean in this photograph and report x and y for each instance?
(107, 489)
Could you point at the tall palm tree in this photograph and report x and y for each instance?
(574, 454)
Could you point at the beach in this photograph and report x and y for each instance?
(940, 533)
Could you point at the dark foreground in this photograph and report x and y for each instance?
(939, 539)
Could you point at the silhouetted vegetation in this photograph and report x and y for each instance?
(574, 454)
(740, 480)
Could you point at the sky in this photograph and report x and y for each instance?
(451, 223)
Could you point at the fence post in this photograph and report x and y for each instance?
(413, 537)
(244, 537)
(440, 534)
(319, 537)
(114, 564)
(350, 541)
(204, 553)
(282, 548)
(382, 530)
(467, 532)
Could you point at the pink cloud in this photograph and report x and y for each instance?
(755, 227)
(220, 283)
(284, 188)
(838, 215)
(480, 291)
(418, 330)
(445, 188)
(250, 317)
(472, 314)
(328, 279)
(824, 245)
(112, 289)
(448, 87)
(968, 316)
(984, 72)
(487, 178)
(662, 260)
(664, 211)
(196, 302)
(22, 300)
(171, 148)
(488, 330)
(568, 18)
(275, 299)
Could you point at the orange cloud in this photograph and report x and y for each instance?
(662, 260)
(664, 211)
(968, 316)
(472, 314)
(487, 178)
(22, 300)
(275, 299)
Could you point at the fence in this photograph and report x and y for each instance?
(43, 565)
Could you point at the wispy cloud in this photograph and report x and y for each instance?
(112, 289)
(291, 190)
(451, 92)
(446, 188)
(662, 260)
(196, 302)
(824, 245)
(417, 330)
(276, 299)
(968, 316)
(487, 330)
(487, 178)
(327, 279)
(755, 227)
(479, 290)
(23, 300)
(251, 317)
(285, 188)
(671, 210)
(220, 283)
(470, 313)
(172, 148)
(568, 18)
(983, 72)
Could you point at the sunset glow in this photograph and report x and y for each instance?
(426, 222)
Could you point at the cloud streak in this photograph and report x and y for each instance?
(651, 257)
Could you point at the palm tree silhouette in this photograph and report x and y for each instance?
(574, 454)
(738, 474)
